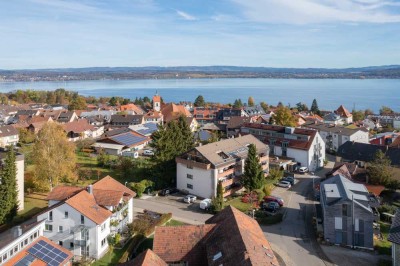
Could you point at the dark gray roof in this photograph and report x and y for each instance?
(254, 110)
(353, 151)
(114, 132)
(331, 117)
(125, 118)
(341, 130)
(394, 234)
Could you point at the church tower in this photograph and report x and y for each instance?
(157, 102)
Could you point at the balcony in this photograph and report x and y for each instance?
(231, 190)
(193, 161)
(227, 172)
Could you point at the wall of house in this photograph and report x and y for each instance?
(101, 235)
(203, 182)
(9, 140)
(396, 123)
(68, 224)
(317, 147)
(20, 181)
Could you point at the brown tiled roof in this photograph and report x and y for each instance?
(79, 126)
(63, 192)
(240, 240)
(171, 111)
(37, 262)
(182, 243)
(8, 130)
(153, 114)
(132, 107)
(156, 98)
(237, 121)
(146, 258)
(109, 183)
(107, 197)
(86, 204)
(343, 112)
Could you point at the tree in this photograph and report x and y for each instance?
(250, 101)
(301, 107)
(8, 189)
(385, 110)
(238, 103)
(199, 102)
(314, 107)
(368, 112)
(77, 103)
(53, 157)
(113, 101)
(253, 177)
(26, 136)
(218, 201)
(283, 116)
(379, 170)
(264, 106)
(358, 115)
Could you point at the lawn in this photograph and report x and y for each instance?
(174, 223)
(33, 204)
(112, 257)
(384, 246)
(238, 204)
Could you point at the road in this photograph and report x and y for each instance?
(293, 238)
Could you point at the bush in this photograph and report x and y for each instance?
(163, 219)
(265, 219)
(141, 186)
(117, 238)
(133, 245)
(268, 190)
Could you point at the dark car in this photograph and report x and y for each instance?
(289, 179)
(270, 206)
(168, 191)
(278, 200)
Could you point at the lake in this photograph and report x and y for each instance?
(330, 93)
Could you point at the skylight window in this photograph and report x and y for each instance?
(217, 256)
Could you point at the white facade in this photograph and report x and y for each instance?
(20, 162)
(196, 181)
(396, 123)
(9, 140)
(334, 140)
(20, 241)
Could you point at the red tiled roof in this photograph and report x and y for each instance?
(374, 189)
(132, 107)
(107, 197)
(86, 204)
(343, 112)
(78, 126)
(146, 258)
(37, 262)
(153, 114)
(156, 98)
(63, 192)
(109, 183)
(182, 243)
(171, 111)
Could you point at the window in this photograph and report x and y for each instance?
(82, 219)
(51, 216)
(190, 186)
(338, 223)
(47, 227)
(15, 249)
(35, 235)
(71, 245)
(26, 242)
(345, 210)
(103, 226)
(103, 242)
(65, 215)
(60, 229)
(60, 243)
(189, 176)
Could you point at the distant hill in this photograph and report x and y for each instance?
(156, 72)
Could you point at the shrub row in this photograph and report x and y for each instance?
(163, 219)
(135, 242)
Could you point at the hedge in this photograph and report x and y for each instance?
(163, 219)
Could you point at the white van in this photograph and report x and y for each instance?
(133, 154)
(205, 204)
(148, 152)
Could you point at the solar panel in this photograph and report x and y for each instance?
(47, 253)
(128, 139)
(26, 261)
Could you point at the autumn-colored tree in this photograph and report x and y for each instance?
(53, 157)
(77, 103)
(283, 117)
(264, 106)
(358, 115)
(250, 101)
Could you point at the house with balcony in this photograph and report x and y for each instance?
(335, 135)
(305, 146)
(81, 219)
(200, 169)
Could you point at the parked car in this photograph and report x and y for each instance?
(133, 154)
(303, 170)
(285, 184)
(189, 198)
(148, 152)
(168, 191)
(205, 204)
(270, 207)
(278, 200)
(288, 174)
(289, 179)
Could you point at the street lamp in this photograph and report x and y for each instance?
(126, 182)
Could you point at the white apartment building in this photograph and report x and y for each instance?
(200, 169)
(334, 136)
(81, 219)
(305, 146)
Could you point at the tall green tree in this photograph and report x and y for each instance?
(199, 101)
(253, 177)
(283, 117)
(8, 189)
(218, 201)
(264, 106)
(238, 103)
(358, 115)
(54, 157)
(301, 107)
(379, 170)
(315, 108)
(250, 101)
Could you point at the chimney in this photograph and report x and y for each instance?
(90, 189)
(17, 231)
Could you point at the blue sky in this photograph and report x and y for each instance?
(272, 33)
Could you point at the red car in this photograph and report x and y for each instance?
(274, 199)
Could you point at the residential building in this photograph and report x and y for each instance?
(305, 146)
(106, 114)
(146, 129)
(17, 238)
(67, 117)
(255, 110)
(9, 135)
(205, 115)
(333, 119)
(192, 123)
(225, 114)
(122, 143)
(200, 169)
(344, 114)
(126, 120)
(42, 252)
(154, 117)
(335, 135)
(81, 129)
(81, 219)
(347, 213)
(385, 138)
(20, 164)
(394, 237)
(228, 238)
(234, 125)
(131, 109)
(173, 111)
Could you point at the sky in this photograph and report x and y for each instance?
(270, 33)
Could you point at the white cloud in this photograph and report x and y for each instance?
(185, 15)
(319, 11)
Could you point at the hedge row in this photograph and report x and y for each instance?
(163, 219)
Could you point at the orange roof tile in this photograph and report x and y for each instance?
(171, 111)
(146, 258)
(86, 204)
(78, 126)
(109, 183)
(107, 197)
(63, 192)
(343, 112)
